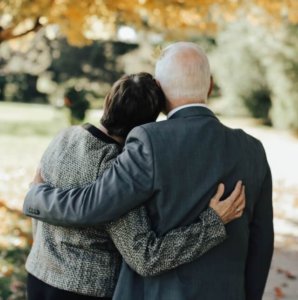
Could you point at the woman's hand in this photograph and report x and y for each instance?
(232, 207)
(37, 177)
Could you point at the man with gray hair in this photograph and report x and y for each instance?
(169, 165)
(183, 72)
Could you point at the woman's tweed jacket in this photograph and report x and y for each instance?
(86, 260)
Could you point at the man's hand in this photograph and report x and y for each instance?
(37, 178)
(232, 207)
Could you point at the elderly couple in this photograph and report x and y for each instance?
(136, 209)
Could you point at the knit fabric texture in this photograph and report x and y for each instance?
(85, 260)
(80, 260)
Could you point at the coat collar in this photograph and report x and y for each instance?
(96, 132)
(193, 112)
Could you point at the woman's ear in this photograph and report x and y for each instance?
(211, 86)
(157, 82)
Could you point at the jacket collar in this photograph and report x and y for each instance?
(193, 111)
(96, 132)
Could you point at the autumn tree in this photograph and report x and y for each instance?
(76, 18)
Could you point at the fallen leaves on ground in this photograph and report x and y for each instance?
(279, 294)
(15, 242)
(287, 273)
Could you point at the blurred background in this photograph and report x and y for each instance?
(58, 59)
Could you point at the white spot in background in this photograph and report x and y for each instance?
(127, 34)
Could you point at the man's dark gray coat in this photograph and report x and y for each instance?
(175, 166)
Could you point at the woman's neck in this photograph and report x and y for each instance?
(117, 138)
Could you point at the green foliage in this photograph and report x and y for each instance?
(2, 86)
(282, 76)
(15, 242)
(13, 286)
(96, 62)
(239, 71)
(51, 67)
(258, 102)
(258, 72)
(21, 88)
(77, 104)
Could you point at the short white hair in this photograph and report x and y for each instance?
(183, 72)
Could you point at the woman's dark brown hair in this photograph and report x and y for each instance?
(133, 100)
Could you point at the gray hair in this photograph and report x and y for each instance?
(183, 72)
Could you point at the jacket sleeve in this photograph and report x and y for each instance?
(261, 240)
(127, 184)
(150, 255)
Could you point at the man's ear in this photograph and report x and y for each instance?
(211, 86)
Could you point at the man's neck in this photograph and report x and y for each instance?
(170, 105)
(175, 108)
(117, 138)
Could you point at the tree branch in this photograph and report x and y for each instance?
(7, 34)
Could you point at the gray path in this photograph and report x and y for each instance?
(284, 264)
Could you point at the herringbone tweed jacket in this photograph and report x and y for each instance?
(86, 260)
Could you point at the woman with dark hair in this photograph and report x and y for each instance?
(84, 263)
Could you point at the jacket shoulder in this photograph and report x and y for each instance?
(250, 139)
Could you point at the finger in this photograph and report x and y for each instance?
(214, 202)
(241, 200)
(236, 192)
(239, 215)
(243, 197)
(240, 207)
(238, 211)
(220, 191)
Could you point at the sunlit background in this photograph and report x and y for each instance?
(58, 59)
